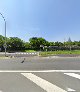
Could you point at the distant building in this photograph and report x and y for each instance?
(69, 40)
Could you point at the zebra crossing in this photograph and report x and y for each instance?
(45, 80)
(47, 86)
(50, 87)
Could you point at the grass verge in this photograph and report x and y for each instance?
(29, 51)
(49, 53)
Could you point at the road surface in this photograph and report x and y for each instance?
(40, 74)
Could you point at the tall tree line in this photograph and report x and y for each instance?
(36, 43)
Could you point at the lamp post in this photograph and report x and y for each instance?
(5, 33)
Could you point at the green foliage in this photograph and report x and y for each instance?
(27, 45)
(58, 44)
(36, 42)
(15, 43)
(2, 39)
(30, 51)
(59, 52)
(51, 44)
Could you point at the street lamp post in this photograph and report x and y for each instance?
(5, 33)
(5, 39)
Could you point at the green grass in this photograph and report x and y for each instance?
(3, 57)
(30, 51)
(59, 52)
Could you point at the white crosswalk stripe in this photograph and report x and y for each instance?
(44, 83)
(70, 90)
(73, 75)
(47, 86)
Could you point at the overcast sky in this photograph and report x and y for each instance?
(54, 20)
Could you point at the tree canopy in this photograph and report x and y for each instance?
(36, 43)
(15, 43)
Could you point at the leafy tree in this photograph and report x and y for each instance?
(2, 39)
(78, 43)
(58, 44)
(2, 42)
(75, 43)
(15, 43)
(36, 42)
(27, 45)
(51, 43)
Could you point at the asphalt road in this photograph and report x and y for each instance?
(40, 81)
(40, 63)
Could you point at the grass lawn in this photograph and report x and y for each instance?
(30, 51)
(59, 52)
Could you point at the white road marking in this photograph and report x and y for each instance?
(41, 71)
(70, 90)
(47, 86)
(73, 75)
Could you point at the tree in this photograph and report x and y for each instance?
(35, 42)
(58, 44)
(2, 39)
(27, 45)
(2, 42)
(51, 43)
(15, 43)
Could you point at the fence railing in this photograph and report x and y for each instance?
(20, 54)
